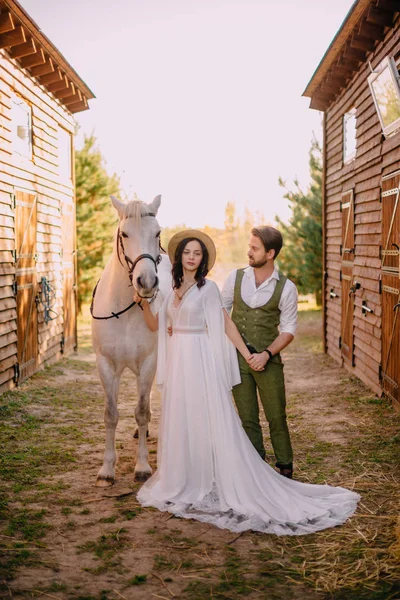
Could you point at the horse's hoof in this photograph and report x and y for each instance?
(136, 434)
(104, 481)
(142, 476)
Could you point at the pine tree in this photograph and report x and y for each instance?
(95, 216)
(301, 256)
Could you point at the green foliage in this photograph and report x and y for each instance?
(301, 257)
(95, 216)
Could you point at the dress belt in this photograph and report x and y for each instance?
(187, 331)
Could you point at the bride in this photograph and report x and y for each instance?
(207, 468)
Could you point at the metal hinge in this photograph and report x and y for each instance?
(13, 201)
(15, 287)
(62, 343)
(14, 255)
(380, 373)
(16, 373)
(340, 342)
(340, 275)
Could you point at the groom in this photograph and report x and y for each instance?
(265, 311)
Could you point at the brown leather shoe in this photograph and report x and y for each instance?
(287, 472)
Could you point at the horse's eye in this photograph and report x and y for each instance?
(124, 235)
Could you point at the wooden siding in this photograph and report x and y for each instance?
(375, 158)
(39, 178)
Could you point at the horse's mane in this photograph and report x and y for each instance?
(135, 209)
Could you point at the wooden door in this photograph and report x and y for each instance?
(346, 275)
(69, 277)
(26, 283)
(390, 287)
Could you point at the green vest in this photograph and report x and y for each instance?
(258, 326)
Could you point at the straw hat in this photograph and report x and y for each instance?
(193, 233)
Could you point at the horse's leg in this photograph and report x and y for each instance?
(110, 382)
(143, 414)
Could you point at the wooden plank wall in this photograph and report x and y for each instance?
(38, 176)
(375, 157)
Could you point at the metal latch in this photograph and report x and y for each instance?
(365, 309)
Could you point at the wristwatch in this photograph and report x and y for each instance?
(269, 353)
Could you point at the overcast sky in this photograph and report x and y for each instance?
(199, 101)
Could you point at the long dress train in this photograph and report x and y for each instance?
(207, 467)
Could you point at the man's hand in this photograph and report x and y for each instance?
(258, 361)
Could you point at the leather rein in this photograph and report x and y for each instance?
(131, 264)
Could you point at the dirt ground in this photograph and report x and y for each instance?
(63, 538)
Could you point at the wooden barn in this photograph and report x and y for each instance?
(356, 85)
(39, 94)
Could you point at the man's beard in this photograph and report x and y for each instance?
(259, 264)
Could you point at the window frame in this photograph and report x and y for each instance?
(18, 102)
(346, 117)
(387, 63)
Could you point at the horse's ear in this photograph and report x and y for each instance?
(155, 205)
(118, 205)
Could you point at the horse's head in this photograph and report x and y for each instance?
(138, 243)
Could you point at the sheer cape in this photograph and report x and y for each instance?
(223, 349)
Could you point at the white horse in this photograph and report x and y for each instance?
(120, 336)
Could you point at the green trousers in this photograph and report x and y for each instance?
(271, 387)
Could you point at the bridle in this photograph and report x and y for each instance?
(131, 264)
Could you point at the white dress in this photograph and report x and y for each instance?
(207, 467)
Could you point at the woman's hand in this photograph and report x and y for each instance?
(257, 361)
(140, 301)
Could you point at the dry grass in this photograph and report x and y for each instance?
(62, 538)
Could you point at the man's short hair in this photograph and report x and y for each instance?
(270, 237)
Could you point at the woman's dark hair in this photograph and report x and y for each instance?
(270, 237)
(177, 269)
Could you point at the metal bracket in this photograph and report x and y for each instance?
(62, 344)
(332, 294)
(356, 286)
(340, 342)
(13, 201)
(14, 287)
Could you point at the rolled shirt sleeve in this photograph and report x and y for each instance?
(288, 308)
(228, 291)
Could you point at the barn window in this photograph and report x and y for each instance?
(65, 154)
(349, 135)
(385, 89)
(21, 114)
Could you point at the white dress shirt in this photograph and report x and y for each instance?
(258, 296)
